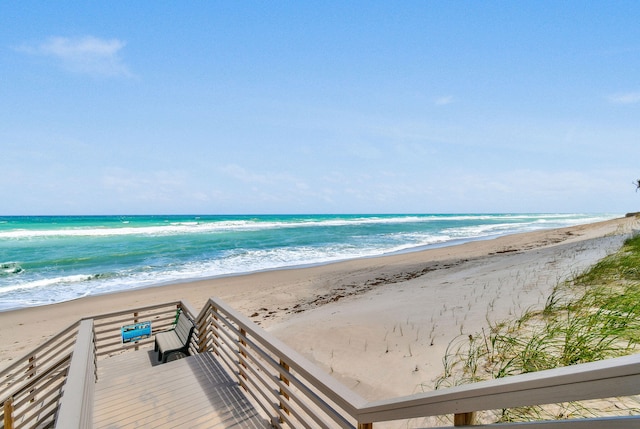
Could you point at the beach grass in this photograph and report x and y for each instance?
(593, 316)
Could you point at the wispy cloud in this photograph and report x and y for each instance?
(150, 186)
(240, 173)
(444, 100)
(285, 183)
(625, 98)
(86, 55)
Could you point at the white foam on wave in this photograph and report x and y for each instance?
(485, 230)
(42, 283)
(534, 223)
(192, 227)
(92, 232)
(172, 228)
(237, 261)
(575, 220)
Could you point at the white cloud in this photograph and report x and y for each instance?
(625, 98)
(240, 173)
(444, 100)
(151, 186)
(262, 178)
(86, 55)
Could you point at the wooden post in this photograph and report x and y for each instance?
(95, 353)
(135, 320)
(32, 372)
(242, 337)
(204, 327)
(203, 331)
(284, 379)
(215, 329)
(464, 419)
(365, 425)
(215, 317)
(8, 414)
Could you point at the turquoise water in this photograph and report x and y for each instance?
(51, 259)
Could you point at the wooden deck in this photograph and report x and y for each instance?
(134, 391)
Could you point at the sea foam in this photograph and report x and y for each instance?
(53, 259)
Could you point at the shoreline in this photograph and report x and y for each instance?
(279, 299)
(77, 276)
(187, 281)
(392, 341)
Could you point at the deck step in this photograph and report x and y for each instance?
(191, 392)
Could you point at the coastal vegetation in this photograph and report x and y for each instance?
(594, 315)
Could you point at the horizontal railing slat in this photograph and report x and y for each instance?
(24, 360)
(111, 329)
(36, 404)
(267, 358)
(107, 325)
(33, 382)
(175, 304)
(30, 401)
(300, 384)
(251, 351)
(267, 397)
(621, 422)
(48, 403)
(345, 398)
(595, 380)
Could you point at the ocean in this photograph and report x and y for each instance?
(49, 259)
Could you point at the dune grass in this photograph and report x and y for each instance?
(593, 316)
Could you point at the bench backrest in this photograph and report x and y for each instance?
(184, 328)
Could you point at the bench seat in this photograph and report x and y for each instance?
(175, 340)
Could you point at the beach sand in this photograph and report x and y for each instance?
(379, 325)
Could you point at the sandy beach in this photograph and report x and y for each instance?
(379, 325)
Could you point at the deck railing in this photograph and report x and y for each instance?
(76, 405)
(32, 386)
(53, 385)
(162, 317)
(610, 378)
(292, 390)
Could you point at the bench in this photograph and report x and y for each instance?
(176, 339)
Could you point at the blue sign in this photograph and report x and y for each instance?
(136, 332)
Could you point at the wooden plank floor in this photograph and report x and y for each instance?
(194, 392)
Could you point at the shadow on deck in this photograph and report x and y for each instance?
(134, 391)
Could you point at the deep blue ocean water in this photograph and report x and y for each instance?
(48, 259)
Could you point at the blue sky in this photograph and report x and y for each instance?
(319, 107)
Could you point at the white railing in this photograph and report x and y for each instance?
(76, 404)
(107, 326)
(292, 390)
(595, 380)
(32, 386)
(288, 388)
(53, 385)
(43, 387)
